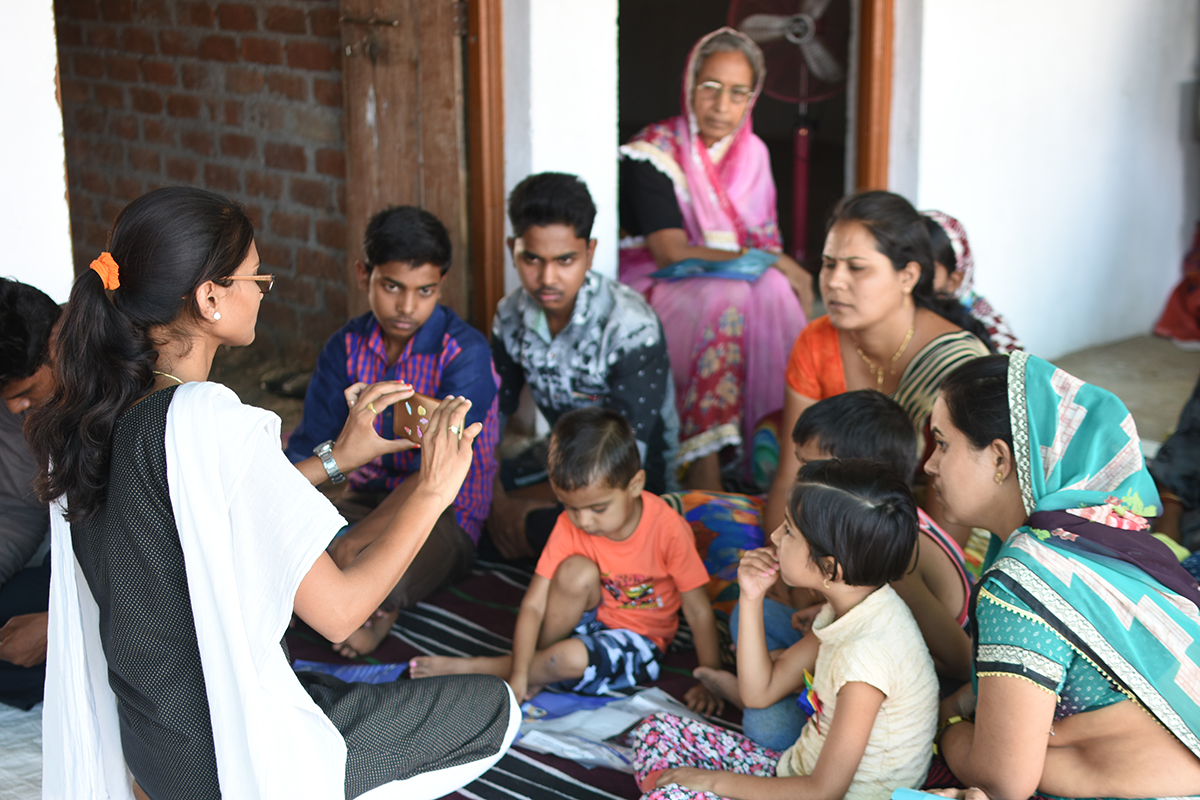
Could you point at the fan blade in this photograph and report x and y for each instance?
(821, 62)
(764, 28)
(815, 8)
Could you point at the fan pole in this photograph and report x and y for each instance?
(801, 148)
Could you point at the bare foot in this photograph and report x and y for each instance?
(428, 666)
(720, 682)
(369, 636)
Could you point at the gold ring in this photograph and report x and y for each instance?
(372, 407)
(456, 430)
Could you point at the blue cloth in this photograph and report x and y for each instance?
(777, 620)
(749, 266)
(617, 658)
(1192, 565)
(777, 726)
(354, 673)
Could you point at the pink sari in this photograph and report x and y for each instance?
(728, 340)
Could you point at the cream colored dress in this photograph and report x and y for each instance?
(878, 643)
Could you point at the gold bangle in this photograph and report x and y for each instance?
(937, 737)
(1169, 497)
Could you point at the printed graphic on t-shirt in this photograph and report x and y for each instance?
(632, 591)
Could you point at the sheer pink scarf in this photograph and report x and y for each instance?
(727, 198)
(725, 192)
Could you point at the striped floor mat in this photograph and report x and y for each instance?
(474, 618)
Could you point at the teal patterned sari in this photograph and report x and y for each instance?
(1085, 564)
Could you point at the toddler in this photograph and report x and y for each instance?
(604, 602)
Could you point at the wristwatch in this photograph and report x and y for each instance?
(324, 451)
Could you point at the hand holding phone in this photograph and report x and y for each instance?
(410, 418)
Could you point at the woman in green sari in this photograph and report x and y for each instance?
(1087, 636)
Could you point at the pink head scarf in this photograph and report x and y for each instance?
(725, 192)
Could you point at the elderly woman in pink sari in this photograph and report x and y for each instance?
(697, 189)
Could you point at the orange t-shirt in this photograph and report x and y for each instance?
(641, 577)
(815, 367)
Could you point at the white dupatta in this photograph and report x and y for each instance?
(251, 526)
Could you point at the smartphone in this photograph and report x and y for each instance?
(410, 418)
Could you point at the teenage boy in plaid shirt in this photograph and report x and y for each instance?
(407, 336)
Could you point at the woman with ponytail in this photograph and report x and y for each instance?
(183, 540)
(884, 329)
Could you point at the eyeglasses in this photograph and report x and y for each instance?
(265, 282)
(711, 90)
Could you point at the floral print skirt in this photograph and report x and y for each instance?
(666, 741)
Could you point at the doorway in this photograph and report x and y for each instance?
(654, 39)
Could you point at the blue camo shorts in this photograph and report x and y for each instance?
(617, 659)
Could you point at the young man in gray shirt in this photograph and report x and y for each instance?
(28, 320)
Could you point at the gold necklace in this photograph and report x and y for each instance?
(172, 377)
(878, 370)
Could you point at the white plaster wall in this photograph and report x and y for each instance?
(560, 104)
(905, 124)
(34, 223)
(1061, 134)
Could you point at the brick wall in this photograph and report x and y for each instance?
(244, 99)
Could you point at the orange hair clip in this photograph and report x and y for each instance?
(107, 269)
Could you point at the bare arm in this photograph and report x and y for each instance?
(336, 601)
(358, 442)
(23, 639)
(698, 611)
(344, 549)
(761, 680)
(1004, 751)
(858, 705)
(670, 245)
(948, 643)
(794, 405)
(525, 637)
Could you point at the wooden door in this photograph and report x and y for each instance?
(405, 128)
(874, 107)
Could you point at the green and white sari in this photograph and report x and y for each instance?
(1082, 600)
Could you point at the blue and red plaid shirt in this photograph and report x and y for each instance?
(444, 357)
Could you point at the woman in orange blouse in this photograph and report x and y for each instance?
(884, 330)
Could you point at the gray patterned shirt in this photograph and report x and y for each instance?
(612, 353)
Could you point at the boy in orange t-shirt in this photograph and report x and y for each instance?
(604, 602)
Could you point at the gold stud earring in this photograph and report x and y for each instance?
(999, 477)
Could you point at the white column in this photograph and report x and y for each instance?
(560, 104)
(1064, 139)
(34, 220)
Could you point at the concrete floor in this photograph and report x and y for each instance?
(1152, 375)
